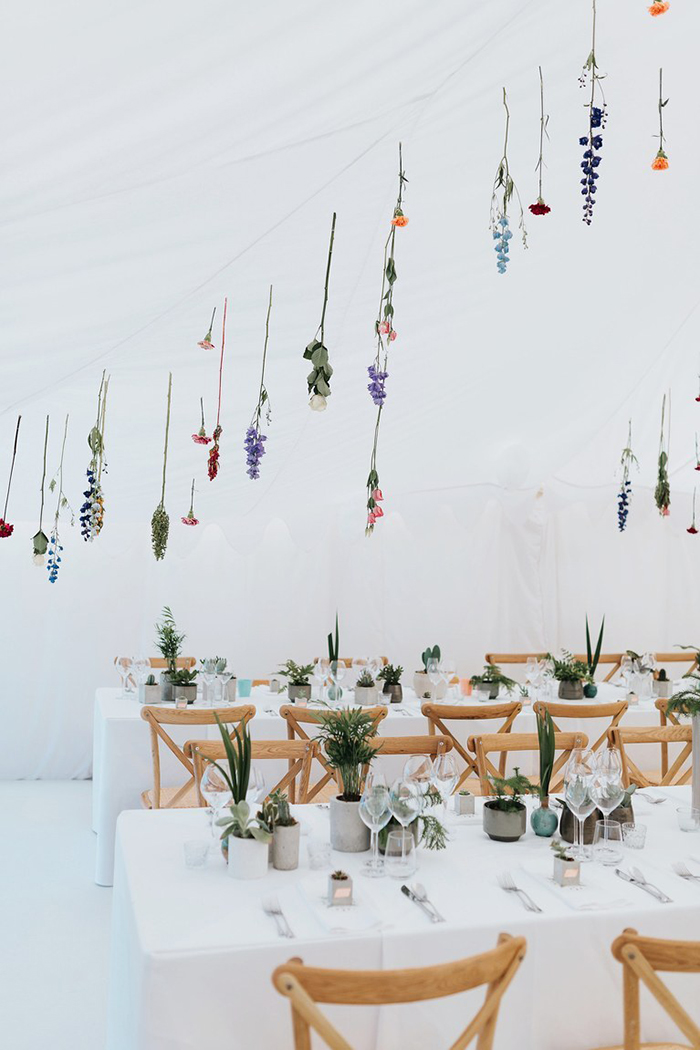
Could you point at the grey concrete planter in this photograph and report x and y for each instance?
(285, 847)
(150, 694)
(504, 825)
(571, 690)
(366, 695)
(299, 692)
(187, 692)
(664, 690)
(167, 694)
(348, 833)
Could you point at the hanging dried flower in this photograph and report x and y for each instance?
(5, 528)
(501, 196)
(539, 207)
(206, 343)
(200, 438)
(660, 161)
(190, 519)
(662, 492)
(92, 510)
(55, 547)
(693, 530)
(254, 442)
(399, 217)
(659, 7)
(40, 540)
(160, 522)
(597, 118)
(213, 461)
(319, 378)
(627, 460)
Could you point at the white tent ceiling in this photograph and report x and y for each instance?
(159, 156)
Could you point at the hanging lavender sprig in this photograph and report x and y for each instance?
(93, 509)
(385, 333)
(319, 378)
(501, 196)
(254, 443)
(55, 547)
(597, 118)
(6, 529)
(662, 492)
(160, 522)
(40, 540)
(627, 460)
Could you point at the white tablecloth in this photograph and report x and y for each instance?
(122, 766)
(192, 951)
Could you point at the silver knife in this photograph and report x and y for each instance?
(416, 900)
(651, 890)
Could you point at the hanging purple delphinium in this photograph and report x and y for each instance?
(593, 141)
(376, 385)
(627, 459)
(254, 443)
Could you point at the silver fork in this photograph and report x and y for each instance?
(685, 873)
(271, 907)
(654, 890)
(505, 881)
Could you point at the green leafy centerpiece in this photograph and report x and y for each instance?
(490, 682)
(169, 643)
(245, 838)
(543, 821)
(571, 674)
(297, 675)
(346, 737)
(366, 689)
(505, 815)
(391, 676)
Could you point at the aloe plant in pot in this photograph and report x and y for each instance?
(245, 839)
(297, 675)
(346, 738)
(366, 689)
(543, 821)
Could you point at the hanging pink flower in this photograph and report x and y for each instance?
(392, 335)
(189, 521)
(377, 496)
(206, 343)
(190, 518)
(378, 512)
(383, 327)
(201, 439)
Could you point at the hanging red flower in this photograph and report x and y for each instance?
(5, 529)
(399, 218)
(539, 207)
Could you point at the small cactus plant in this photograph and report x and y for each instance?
(430, 654)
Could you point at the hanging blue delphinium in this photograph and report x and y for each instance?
(627, 459)
(93, 509)
(597, 116)
(504, 189)
(54, 547)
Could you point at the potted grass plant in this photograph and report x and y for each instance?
(571, 674)
(245, 839)
(489, 683)
(421, 681)
(391, 676)
(297, 675)
(366, 689)
(590, 689)
(346, 737)
(505, 815)
(169, 643)
(543, 821)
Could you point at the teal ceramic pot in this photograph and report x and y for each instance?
(590, 690)
(544, 821)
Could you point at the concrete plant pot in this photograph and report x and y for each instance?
(664, 690)
(149, 694)
(167, 694)
(247, 858)
(298, 692)
(503, 825)
(394, 693)
(348, 833)
(571, 690)
(366, 695)
(285, 847)
(567, 872)
(423, 685)
(185, 692)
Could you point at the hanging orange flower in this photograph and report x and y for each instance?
(659, 7)
(660, 161)
(399, 218)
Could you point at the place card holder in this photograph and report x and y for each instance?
(567, 872)
(339, 889)
(464, 804)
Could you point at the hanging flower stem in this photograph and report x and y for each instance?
(213, 462)
(627, 460)
(501, 195)
(92, 510)
(190, 519)
(693, 528)
(55, 548)
(539, 207)
(254, 443)
(319, 379)
(200, 438)
(5, 528)
(660, 161)
(662, 492)
(597, 117)
(206, 343)
(40, 540)
(160, 522)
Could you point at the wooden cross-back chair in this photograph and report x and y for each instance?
(298, 754)
(611, 660)
(680, 771)
(688, 657)
(439, 714)
(297, 719)
(305, 986)
(506, 743)
(562, 710)
(641, 958)
(666, 717)
(169, 798)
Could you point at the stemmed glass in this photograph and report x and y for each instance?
(577, 792)
(336, 670)
(449, 669)
(533, 675)
(376, 814)
(434, 676)
(419, 769)
(359, 665)
(321, 674)
(256, 786)
(209, 678)
(445, 777)
(607, 792)
(405, 803)
(140, 667)
(123, 666)
(224, 677)
(217, 794)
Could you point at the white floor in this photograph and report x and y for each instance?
(54, 921)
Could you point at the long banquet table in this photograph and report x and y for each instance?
(122, 756)
(192, 950)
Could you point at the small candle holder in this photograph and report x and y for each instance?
(567, 870)
(339, 889)
(180, 702)
(464, 804)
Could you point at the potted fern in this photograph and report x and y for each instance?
(346, 737)
(488, 684)
(505, 816)
(571, 674)
(421, 681)
(245, 839)
(543, 821)
(297, 675)
(169, 643)
(366, 689)
(391, 676)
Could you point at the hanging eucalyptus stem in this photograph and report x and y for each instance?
(160, 522)
(40, 540)
(318, 380)
(5, 528)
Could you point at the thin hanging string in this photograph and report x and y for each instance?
(103, 417)
(540, 164)
(43, 473)
(661, 109)
(60, 475)
(262, 374)
(191, 513)
(167, 432)
(221, 364)
(201, 404)
(328, 274)
(12, 467)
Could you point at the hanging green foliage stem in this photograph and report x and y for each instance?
(160, 522)
(40, 540)
(319, 378)
(662, 492)
(6, 529)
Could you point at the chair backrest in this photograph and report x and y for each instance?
(579, 712)
(305, 986)
(260, 681)
(157, 717)
(350, 660)
(413, 745)
(641, 957)
(298, 753)
(505, 743)
(689, 657)
(160, 663)
(297, 719)
(439, 714)
(613, 660)
(680, 771)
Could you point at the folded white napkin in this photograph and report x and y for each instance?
(335, 919)
(595, 892)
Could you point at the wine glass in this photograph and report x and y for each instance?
(216, 793)
(445, 777)
(321, 674)
(434, 676)
(123, 666)
(223, 677)
(533, 675)
(419, 769)
(256, 786)
(376, 814)
(359, 664)
(405, 803)
(140, 667)
(336, 670)
(375, 665)
(577, 792)
(208, 672)
(607, 791)
(449, 670)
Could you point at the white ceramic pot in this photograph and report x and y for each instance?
(247, 858)
(285, 847)
(366, 695)
(149, 694)
(423, 685)
(348, 833)
(664, 690)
